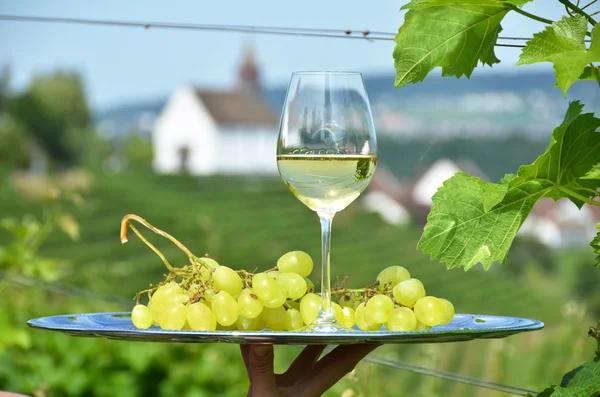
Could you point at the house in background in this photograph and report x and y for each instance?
(217, 132)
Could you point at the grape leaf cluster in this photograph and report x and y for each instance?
(473, 221)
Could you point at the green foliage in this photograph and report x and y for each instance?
(453, 34)
(55, 113)
(22, 253)
(583, 381)
(594, 173)
(4, 87)
(595, 244)
(563, 44)
(14, 142)
(473, 221)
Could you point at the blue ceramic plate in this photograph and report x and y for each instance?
(119, 326)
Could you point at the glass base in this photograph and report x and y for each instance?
(326, 326)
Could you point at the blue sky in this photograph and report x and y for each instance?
(123, 64)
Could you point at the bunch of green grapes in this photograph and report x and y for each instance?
(397, 302)
(206, 296)
(210, 296)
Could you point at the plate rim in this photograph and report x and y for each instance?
(284, 337)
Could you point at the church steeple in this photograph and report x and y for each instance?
(248, 73)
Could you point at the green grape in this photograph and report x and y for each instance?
(225, 308)
(226, 279)
(448, 311)
(250, 305)
(293, 304)
(293, 284)
(422, 327)
(309, 308)
(162, 294)
(343, 315)
(279, 299)
(350, 300)
(141, 316)
(362, 322)
(296, 262)
(264, 286)
(430, 311)
(402, 320)
(409, 291)
(208, 295)
(200, 317)
(274, 318)
(209, 266)
(379, 309)
(391, 276)
(310, 286)
(179, 298)
(249, 324)
(293, 320)
(156, 311)
(173, 317)
(273, 274)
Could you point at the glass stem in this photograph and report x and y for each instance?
(326, 312)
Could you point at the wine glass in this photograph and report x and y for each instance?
(326, 155)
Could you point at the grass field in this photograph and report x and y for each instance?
(249, 223)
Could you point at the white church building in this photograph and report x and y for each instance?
(204, 132)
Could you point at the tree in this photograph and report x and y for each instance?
(55, 113)
(4, 86)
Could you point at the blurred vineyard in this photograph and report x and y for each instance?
(249, 223)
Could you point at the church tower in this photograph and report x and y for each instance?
(248, 73)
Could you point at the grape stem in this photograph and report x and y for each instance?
(532, 16)
(126, 221)
(152, 247)
(578, 10)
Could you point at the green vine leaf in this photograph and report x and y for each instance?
(453, 34)
(588, 74)
(519, 3)
(473, 221)
(583, 381)
(563, 44)
(594, 173)
(595, 244)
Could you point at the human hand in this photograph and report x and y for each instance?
(307, 376)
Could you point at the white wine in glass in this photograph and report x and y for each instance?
(326, 155)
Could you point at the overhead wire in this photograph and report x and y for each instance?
(62, 288)
(450, 376)
(269, 30)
